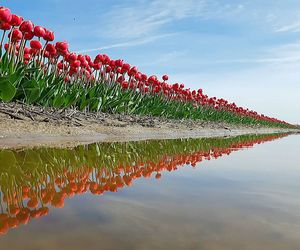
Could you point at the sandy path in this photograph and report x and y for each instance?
(22, 126)
(17, 134)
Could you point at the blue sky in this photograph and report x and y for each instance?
(246, 51)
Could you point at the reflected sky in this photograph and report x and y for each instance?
(248, 199)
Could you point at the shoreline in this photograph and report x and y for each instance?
(31, 126)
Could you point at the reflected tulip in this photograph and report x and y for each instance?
(32, 203)
(13, 222)
(3, 227)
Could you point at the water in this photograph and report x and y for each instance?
(176, 194)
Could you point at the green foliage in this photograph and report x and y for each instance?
(29, 84)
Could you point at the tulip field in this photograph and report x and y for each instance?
(36, 70)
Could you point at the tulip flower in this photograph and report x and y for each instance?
(16, 20)
(35, 44)
(5, 26)
(132, 71)
(62, 46)
(26, 26)
(5, 15)
(39, 31)
(16, 35)
(165, 78)
(48, 36)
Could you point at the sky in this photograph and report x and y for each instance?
(246, 51)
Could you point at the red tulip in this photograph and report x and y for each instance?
(16, 35)
(5, 26)
(124, 85)
(132, 71)
(107, 69)
(75, 64)
(26, 26)
(7, 46)
(39, 31)
(16, 20)
(28, 35)
(26, 51)
(165, 78)
(62, 46)
(125, 67)
(27, 57)
(152, 79)
(50, 48)
(49, 35)
(35, 44)
(5, 15)
(71, 57)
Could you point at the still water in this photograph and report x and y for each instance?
(221, 193)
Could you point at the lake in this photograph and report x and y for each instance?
(212, 193)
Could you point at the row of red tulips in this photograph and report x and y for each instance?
(58, 59)
(20, 203)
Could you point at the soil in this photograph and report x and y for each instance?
(22, 125)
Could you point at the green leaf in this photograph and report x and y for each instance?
(7, 89)
(7, 159)
(31, 91)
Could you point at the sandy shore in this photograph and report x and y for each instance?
(24, 126)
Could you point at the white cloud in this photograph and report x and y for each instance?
(144, 17)
(294, 27)
(131, 43)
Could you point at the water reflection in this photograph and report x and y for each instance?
(34, 180)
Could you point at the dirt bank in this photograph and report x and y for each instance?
(22, 125)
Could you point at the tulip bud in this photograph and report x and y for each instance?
(28, 35)
(152, 79)
(124, 85)
(5, 26)
(75, 64)
(5, 15)
(144, 77)
(16, 35)
(49, 35)
(132, 71)
(125, 67)
(88, 58)
(26, 50)
(62, 46)
(39, 31)
(108, 69)
(16, 20)
(7, 46)
(60, 65)
(99, 58)
(119, 70)
(50, 48)
(36, 45)
(165, 78)
(27, 56)
(26, 26)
